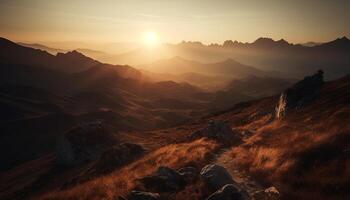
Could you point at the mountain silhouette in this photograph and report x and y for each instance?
(179, 65)
(269, 43)
(289, 60)
(42, 95)
(130, 130)
(340, 43)
(50, 50)
(66, 62)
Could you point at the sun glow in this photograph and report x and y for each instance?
(151, 39)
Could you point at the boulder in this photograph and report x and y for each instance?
(227, 192)
(216, 176)
(270, 193)
(220, 131)
(190, 174)
(300, 94)
(140, 195)
(117, 156)
(84, 143)
(164, 180)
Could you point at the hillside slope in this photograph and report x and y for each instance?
(303, 154)
(42, 96)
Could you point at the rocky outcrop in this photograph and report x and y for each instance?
(140, 195)
(218, 179)
(220, 131)
(190, 174)
(84, 143)
(164, 180)
(214, 179)
(270, 193)
(216, 176)
(300, 95)
(228, 192)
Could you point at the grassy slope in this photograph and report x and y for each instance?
(305, 155)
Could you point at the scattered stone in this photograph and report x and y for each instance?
(84, 143)
(270, 193)
(220, 131)
(164, 180)
(216, 176)
(140, 195)
(300, 94)
(227, 192)
(190, 174)
(117, 156)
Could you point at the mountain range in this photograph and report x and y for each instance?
(69, 88)
(280, 56)
(291, 60)
(73, 127)
(283, 155)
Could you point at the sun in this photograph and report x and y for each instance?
(151, 39)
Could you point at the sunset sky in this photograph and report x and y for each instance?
(173, 21)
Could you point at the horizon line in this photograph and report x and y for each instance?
(165, 43)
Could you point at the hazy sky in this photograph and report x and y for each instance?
(209, 21)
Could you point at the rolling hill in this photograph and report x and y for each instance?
(178, 65)
(304, 162)
(40, 88)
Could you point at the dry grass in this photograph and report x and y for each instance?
(306, 155)
(301, 160)
(123, 180)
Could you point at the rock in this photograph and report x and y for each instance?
(84, 143)
(164, 180)
(140, 195)
(300, 94)
(117, 156)
(220, 131)
(216, 176)
(270, 193)
(227, 192)
(190, 174)
(121, 198)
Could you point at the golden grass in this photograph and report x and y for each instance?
(122, 181)
(276, 154)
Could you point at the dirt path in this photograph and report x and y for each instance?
(246, 182)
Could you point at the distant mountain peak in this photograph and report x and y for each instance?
(269, 42)
(344, 38)
(263, 40)
(228, 43)
(73, 54)
(4, 41)
(342, 42)
(282, 41)
(230, 60)
(76, 60)
(192, 43)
